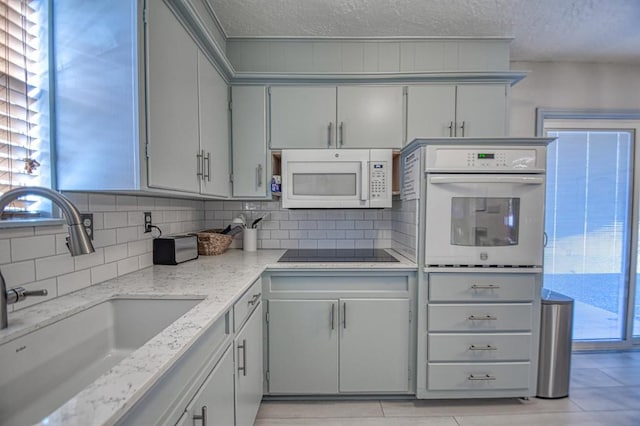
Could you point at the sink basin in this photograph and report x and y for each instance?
(42, 370)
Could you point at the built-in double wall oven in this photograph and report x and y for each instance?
(484, 206)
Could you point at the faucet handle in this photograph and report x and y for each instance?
(18, 294)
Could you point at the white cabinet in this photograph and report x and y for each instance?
(249, 130)
(323, 332)
(469, 110)
(249, 377)
(336, 117)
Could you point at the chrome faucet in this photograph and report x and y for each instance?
(78, 242)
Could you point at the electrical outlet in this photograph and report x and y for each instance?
(87, 222)
(147, 222)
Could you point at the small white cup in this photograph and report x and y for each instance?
(250, 239)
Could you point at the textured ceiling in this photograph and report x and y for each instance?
(573, 30)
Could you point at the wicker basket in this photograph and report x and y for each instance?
(212, 242)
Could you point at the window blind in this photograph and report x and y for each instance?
(19, 61)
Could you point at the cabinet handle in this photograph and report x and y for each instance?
(344, 314)
(333, 316)
(259, 175)
(199, 167)
(341, 133)
(462, 128)
(243, 346)
(329, 134)
(482, 348)
(207, 173)
(485, 287)
(202, 416)
(451, 129)
(254, 299)
(482, 377)
(482, 318)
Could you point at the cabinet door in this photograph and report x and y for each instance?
(370, 117)
(374, 345)
(303, 346)
(214, 129)
(172, 102)
(431, 111)
(482, 110)
(249, 375)
(303, 117)
(249, 124)
(216, 394)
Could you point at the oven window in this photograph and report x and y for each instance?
(484, 222)
(324, 184)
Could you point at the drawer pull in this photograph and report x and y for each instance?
(482, 318)
(484, 377)
(485, 287)
(482, 348)
(254, 299)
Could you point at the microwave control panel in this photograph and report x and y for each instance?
(378, 176)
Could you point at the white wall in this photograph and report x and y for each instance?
(570, 85)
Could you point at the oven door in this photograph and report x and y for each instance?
(488, 220)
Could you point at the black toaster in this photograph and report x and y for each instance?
(175, 249)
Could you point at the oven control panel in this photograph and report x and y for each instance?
(485, 159)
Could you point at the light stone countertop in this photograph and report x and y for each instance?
(219, 280)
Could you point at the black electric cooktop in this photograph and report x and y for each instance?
(337, 255)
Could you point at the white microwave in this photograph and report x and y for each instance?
(336, 179)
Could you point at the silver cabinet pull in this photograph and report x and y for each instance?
(329, 134)
(482, 348)
(450, 128)
(482, 318)
(333, 316)
(243, 346)
(207, 173)
(254, 299)
(202, 416)
(199, 157)
(481, 377)
(341, 131)
(462, 128)
(344, 314)
(259, 175)
(485, 287)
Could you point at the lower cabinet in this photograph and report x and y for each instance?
(249, 377)
(335, 343)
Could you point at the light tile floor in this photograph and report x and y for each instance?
(605, 390)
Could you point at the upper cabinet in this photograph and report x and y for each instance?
(336, 117)
(469, 110)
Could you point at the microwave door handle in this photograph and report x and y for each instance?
(523, 180)
(364, 181)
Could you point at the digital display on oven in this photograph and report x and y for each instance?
(486, 156)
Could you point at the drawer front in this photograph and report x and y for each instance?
(246, 304)
(481, 376)
(480, 347)
(480, 317)
(454, 287)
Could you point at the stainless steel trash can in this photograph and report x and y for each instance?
(554, 362)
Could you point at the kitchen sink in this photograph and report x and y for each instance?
(42, 370)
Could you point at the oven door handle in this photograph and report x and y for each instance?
(523, 180)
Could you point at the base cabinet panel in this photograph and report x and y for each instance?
(303, 347)
(248, 392)
(479, 376)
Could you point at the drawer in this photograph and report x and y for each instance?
(480, 347)
(480, 376)
(246, 304)
(481, 287)
(480, 317)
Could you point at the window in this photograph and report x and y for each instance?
(24, 104)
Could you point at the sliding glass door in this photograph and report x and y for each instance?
(591, 225)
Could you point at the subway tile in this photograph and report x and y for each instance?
(17, 232)
(232, 205)
(104, 273)
(297, 215)
(364, 224)
(326, 224)
(32, 247)
(126, 203)
(382, 244)
(264, 234)
(281, 234)
(49, 285)
(124, 235)
(335, 215)
(169, 216)
(316, 215)
(336, 235)
(371, 215)
(364, 244)
(345, 244)
(115, 220)
(61, 244)
(146, 203)
(74, 281)
(136, 218)
(223, 215)
(318, 235)
(270, 224)
(279, 215)
(128, 265)
(298, 235)
(89, 260)
(53, 266)
(104, 237)
(115, 253)
(354, 235)
(289, 224)
(270, 205)
(308, 244)
(308, 224)
(79, 199)
(251, 205)
(136, 248)
(51, 230)
(19, 273)
(289, 244)
(98, 221)
(354, 215)
(5, 251)
(145, 260)
(102, 203)
(327, 244)
(271, 244)
(213, 205)
(345, 224)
